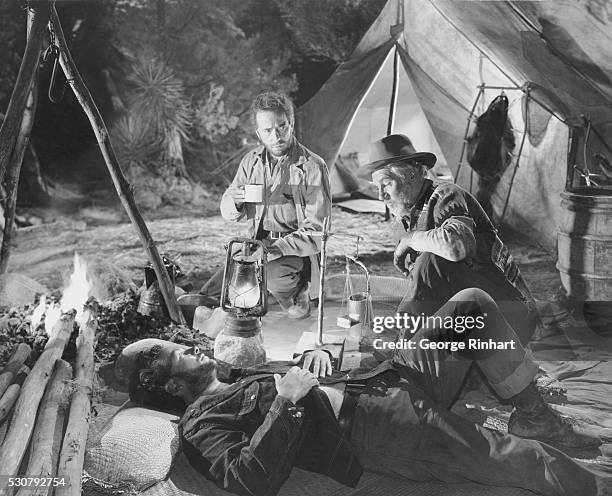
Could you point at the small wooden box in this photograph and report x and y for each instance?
(345, 321)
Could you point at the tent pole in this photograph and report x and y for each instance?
(394, 92)
(393, 105)
(124, 189)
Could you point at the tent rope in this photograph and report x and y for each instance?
(520, 152)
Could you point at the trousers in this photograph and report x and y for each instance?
(434, 280)
(407, 429)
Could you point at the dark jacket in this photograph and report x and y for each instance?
(247, 438)
(448, 213)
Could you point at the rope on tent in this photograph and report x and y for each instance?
(518, 157)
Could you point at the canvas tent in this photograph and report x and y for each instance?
(562, 49)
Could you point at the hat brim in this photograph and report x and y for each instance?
(426, 158)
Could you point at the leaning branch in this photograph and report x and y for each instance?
(29, 63)
(13, 173)
(124, 190)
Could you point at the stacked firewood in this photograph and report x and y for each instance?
(37, 453)
(16, 327)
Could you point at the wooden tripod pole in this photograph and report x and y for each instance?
(38, 14)
(23, 138)
(124, 190)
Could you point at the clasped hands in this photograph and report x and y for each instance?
(403, 257)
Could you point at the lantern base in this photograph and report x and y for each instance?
(333, 343)
(240, 342)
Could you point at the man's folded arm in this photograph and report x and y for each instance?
(259, 465)
(454, 240)
(452, 236)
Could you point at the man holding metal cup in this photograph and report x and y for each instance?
(282, 190)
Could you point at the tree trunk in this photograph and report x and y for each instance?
(174, 151)
(19, 433)
(72, 455)
(47, 436)
(124, 190)
(39, 14)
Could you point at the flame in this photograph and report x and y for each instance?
(74, 295)
(38, 312)
(53, 314)
(77, 292)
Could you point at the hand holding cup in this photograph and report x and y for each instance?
(236, 193)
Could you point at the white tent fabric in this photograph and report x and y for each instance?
(562, 48)
(371, 119)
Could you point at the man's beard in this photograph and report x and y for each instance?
(400, 207)
(199, 380)
(281, 151)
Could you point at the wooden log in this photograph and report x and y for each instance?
(8, 400)
(72, 455)
(13, 366)
(11, 395)
(124, 189)
(47, 436)
(19, 433)
(29, 63)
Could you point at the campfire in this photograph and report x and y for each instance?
(34, 402)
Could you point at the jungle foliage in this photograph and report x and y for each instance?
(174, 78)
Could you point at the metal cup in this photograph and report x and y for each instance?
(253, 193)
(357, 304)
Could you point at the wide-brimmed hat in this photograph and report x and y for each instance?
(393, 148)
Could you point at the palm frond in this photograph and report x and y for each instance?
(159, 98)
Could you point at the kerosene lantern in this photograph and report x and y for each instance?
(244, 298)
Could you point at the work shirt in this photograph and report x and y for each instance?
(452, 217)
(297, 198)
(246, 438)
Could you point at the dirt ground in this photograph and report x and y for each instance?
(195, 240)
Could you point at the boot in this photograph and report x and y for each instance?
(532, 418)
(297, 307)
(301, 304)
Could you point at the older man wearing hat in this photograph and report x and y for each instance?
(445, 240)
